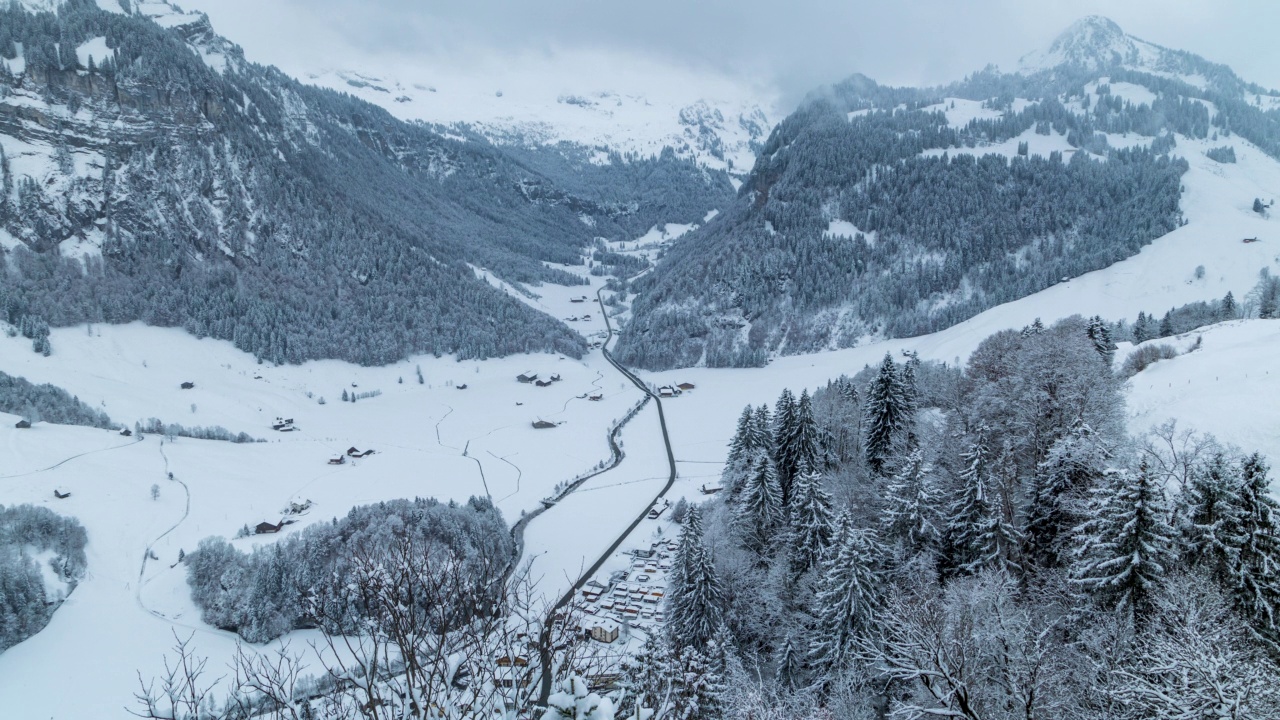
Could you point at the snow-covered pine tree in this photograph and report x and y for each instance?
(884, 415)
(1100, 336)
(697, 689)
(845, 600)
(686, 547)
(1257, 547)
(910, 391)
(1209, 520)
(759, 513)
(1126, 546)
(790, 664)
(910, 515)
(695, 613)
(1229, 309)
(741, 450)
(971, 511)
(797, 446)
(1075, 463)
(812, 522)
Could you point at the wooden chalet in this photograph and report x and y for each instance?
(685, 387)
(543, 425)
(603, 630)
(596, 397)
(265, 528)
(1250, 240)
(23, 424)
(666, 391)
(340, 460)
(61, 495)
(126, 432)
(188, 385)
(463, 386)
(577, 299)
(355, 453)
(527, 377)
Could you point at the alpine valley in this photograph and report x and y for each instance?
(608, 387)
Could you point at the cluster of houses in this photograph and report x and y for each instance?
(577, 318)
(633, 597)
(670, 391)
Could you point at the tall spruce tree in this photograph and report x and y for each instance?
(1100, 335)
(741, 447)
(759, 513)
(811, 522)
(1229, 309)
(1075, 463)
(885, 415)
(697, 610)
(970, 512)
(1257, 549)
(845, 600)
(1210, 518)
(784, 421)
(1126, 546)
(797, 446)
(910, 515)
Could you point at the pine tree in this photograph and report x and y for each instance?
(784, 426)
(697, 689)
(759, 509)
(1141, 329)
(971, 511)
(697, 609)
(884, 415)
(811, 521)
(788, 674)
(1166, 325)
(1210, 518)
(1229, 309)
(910, 512)
(740, 447)
(846, 600)
(1075, 463)
(797, 446)
(1257, 547)
(1100, 336)
(1126, 546)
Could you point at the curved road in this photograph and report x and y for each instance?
(544, 641)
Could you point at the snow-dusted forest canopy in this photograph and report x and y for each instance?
(299, 223)
(974, 542)
(29, 537)
(930, 228)
(302, 581)
(48, 403)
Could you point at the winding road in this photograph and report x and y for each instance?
(544, 640)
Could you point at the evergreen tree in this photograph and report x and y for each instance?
(970, 512)
(697, 688)
(782, 426)
(1257, 549)
(790, 668)
(1229, 309)
(1166, 324)
(1141, 329)
(740, 447)
(759, 510)
(797, 446)
(811, 520)
(1126, 546)
(1210, 518)
(910, 512)
(846, 599)
(1076, 462)
(762, 429)
(697, 610)
(1100, 335)
(885, 415)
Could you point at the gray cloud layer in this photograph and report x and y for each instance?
(797, 43)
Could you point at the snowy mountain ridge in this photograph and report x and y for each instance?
(610, 104)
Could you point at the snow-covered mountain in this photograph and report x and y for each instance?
(609, 103)
(878, 212)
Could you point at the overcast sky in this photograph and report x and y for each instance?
(795, 44)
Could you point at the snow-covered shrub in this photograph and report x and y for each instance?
(1145, 357)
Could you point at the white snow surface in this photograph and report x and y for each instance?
(96, 49)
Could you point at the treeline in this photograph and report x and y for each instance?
(25, 604)
(979, 542)
(47, 403)
(297, 223)
(297, 582)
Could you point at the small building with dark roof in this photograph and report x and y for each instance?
(543, 425)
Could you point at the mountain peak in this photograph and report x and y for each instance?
(1092, 42)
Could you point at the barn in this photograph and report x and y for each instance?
(543, 425)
